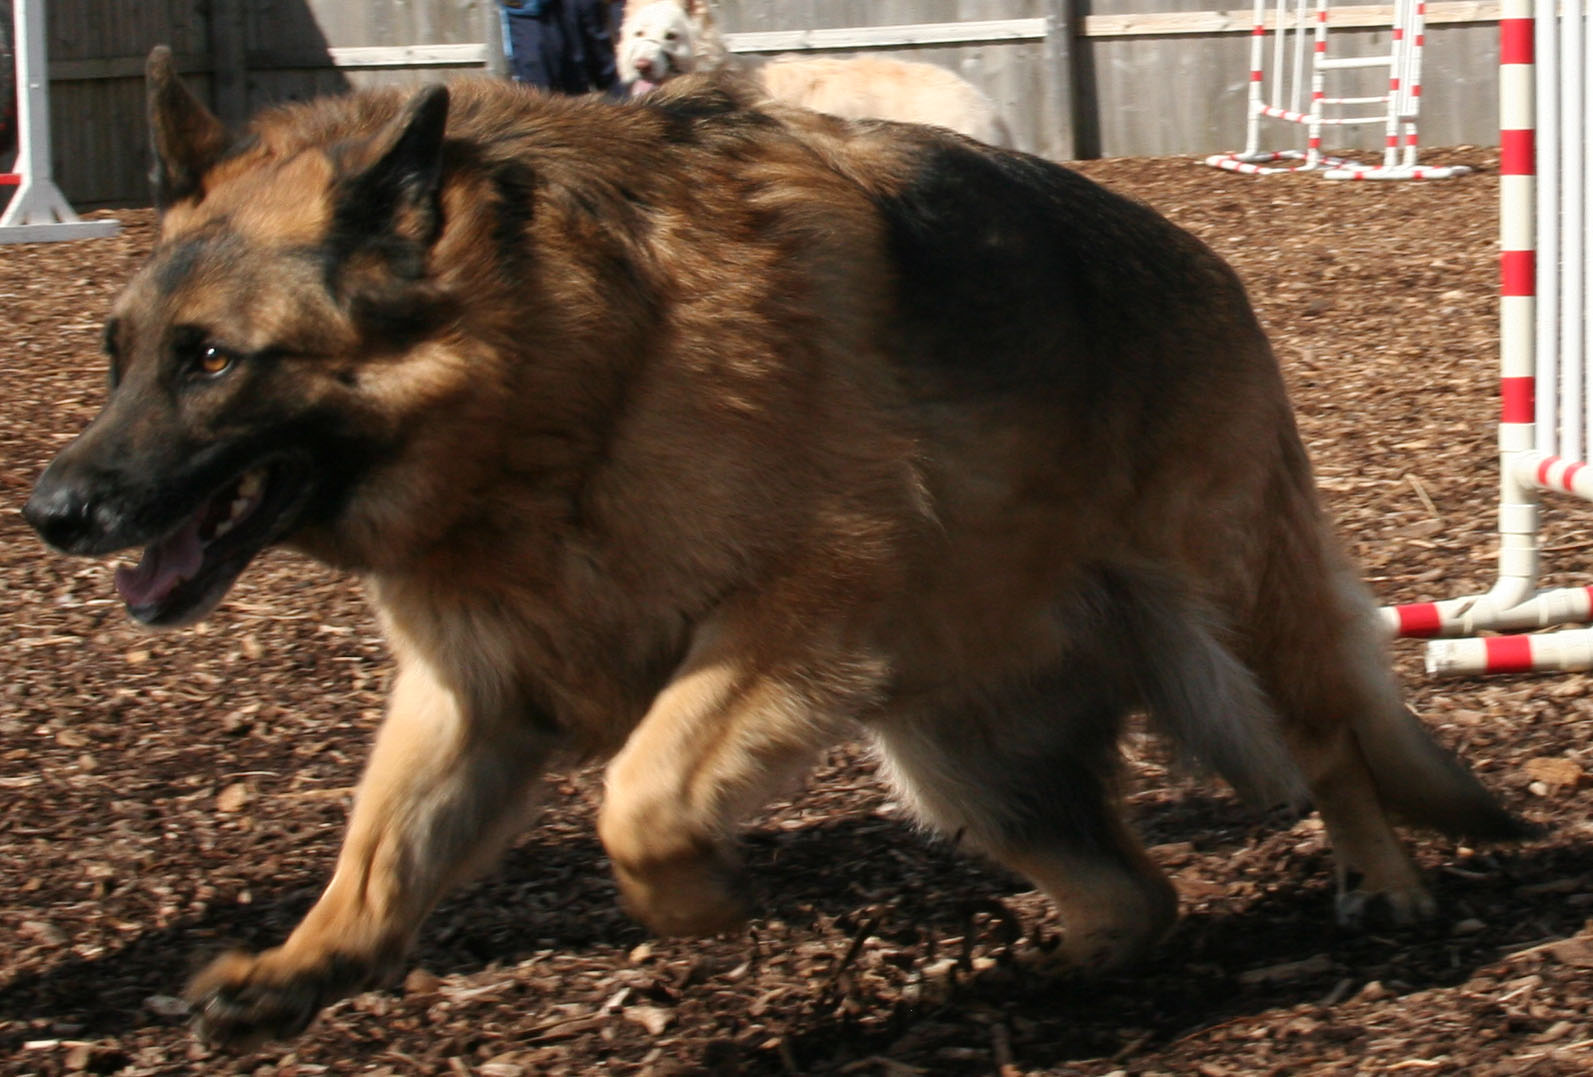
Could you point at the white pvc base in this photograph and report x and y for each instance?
(1263, 164)
(1333, 168)
(39, 213)
(1565, 651)
(1398, 172)
(1529, 652)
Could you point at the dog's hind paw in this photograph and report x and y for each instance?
(1355, 908)
(241, 1000)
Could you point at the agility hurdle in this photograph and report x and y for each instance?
(1286, 100)
(38, 211)
(1545, 341)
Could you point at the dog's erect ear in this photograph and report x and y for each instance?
(185, 136)
(395, 197)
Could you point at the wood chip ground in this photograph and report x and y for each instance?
(166, 795)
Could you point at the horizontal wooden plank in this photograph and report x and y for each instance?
(372, 56)
(120, 67)
(1366, 16)
(1156, 23)
(1149, 24)
(473, 55)
(888, 37)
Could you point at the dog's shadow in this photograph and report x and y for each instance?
(834, 876)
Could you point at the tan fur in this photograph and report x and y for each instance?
(662, 39)
(705, 435)
(874, 87)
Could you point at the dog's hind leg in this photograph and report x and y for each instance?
(1028, 777)
(1317, 650)
(446, 788)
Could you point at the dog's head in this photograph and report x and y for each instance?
(258, 360)
(658, 41)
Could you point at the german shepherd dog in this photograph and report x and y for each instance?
(697, 435)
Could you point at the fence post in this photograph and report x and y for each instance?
(229, 64)
(1060, 78)
(497, 64)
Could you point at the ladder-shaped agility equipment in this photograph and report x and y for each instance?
(1280, 95)
(1545, 340)
(37, 211)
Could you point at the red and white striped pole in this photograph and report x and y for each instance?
(1543, 251)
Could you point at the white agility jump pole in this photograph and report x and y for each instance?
(1545, 340)
(38, 211)
(1280, 96)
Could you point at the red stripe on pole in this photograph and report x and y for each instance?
(1543, 470)
(1255, 76)
(1515, 41)
(1508, 654)
(1570, 474)
(1419, 620)
(10, 179)
(1517, 399)
(1517, 152)
(1517, 273)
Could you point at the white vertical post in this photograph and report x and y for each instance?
(1256, 100)
(38, 211)
(1545, 117)
(1298, 76)
(1575, 306)
(1277, 92)
(1571, 388)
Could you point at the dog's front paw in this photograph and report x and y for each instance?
(691, 894)
(243, 1000)
(1104, 949)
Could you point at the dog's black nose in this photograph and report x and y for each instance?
(62, 515)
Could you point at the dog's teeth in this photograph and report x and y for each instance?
(249, 487)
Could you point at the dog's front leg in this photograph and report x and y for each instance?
(718, 742)
(447, 786)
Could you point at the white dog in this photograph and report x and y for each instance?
(662, 39)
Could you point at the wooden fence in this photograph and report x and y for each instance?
(1075, 78)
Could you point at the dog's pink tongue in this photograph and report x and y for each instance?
(165, 564)
(641, 86)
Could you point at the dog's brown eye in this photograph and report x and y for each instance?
(212, 360)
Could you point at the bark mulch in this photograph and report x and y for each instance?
(166, 795)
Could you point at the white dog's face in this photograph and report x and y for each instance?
(657, 42)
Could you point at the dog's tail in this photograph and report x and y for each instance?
(1416, 778)
(1194, 689)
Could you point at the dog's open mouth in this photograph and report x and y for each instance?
(182, 576)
